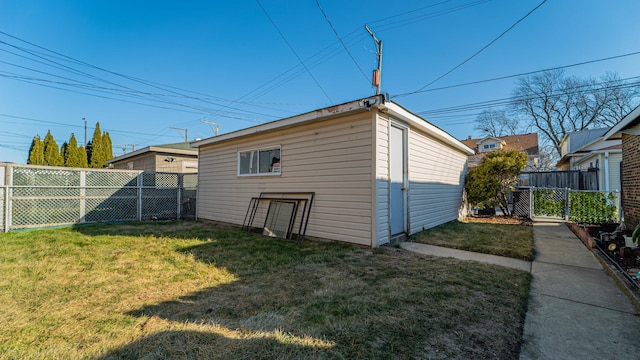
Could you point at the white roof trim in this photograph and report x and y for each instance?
(591, 155)
(489, 138)
(415, 120)
(152, 149)
(357, 105)
(616, 131)
(288, 122)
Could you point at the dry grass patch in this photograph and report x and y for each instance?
(510, 240)
(189, 291)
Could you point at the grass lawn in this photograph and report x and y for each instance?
(510, 240)
(196, 291)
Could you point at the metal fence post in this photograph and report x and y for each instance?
(179, 195)
(6, 209)
(140, 182)
(567, 192)
(83, 195)
(531, 207)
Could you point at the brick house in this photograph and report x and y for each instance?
(628, 130)
(527, 143)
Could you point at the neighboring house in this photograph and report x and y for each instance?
(378, 171)
(628, 131)
(177, 158)
(526, 143)
(587, 150)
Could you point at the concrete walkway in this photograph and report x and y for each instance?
(467, 255)
(576, 311)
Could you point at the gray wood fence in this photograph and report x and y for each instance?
(574, 179)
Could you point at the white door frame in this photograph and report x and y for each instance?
(405, 176)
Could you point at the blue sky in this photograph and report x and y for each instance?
(142, 67)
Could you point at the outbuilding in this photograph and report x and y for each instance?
(376, 171)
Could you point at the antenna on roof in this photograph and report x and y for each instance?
(186, 132)
(211, 123)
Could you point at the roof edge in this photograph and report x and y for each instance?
(152, 149)
(349, 107)
(615, 131)
(419, 122)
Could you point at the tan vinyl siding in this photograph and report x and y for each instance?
(176, 165)
(332, 158)
(141, 162)
(436, 181)
(383, 232)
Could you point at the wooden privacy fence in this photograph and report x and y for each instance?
(574, 179)
(581, 206)
(37, 196)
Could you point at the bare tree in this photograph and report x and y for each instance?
(555, 105)
(496, 123)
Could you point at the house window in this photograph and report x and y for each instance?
(259, 162)
(488, 147)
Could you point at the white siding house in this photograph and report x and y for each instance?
(377, 171)
(588, 150)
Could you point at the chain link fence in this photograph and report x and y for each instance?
(33, 196)
(581, 206)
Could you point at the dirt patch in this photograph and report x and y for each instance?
(495, 219)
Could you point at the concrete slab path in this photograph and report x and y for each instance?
(467, 255)
(576, 311)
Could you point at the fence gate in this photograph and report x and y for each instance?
(582, 206)
(550, 203)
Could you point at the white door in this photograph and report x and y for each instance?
(397, 175)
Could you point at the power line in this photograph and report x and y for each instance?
(412, 11)
(481, 50)
(129, 90)
(341, 42)
(520, 74)
(73, 126)
(423, 17)
(505, 101)
(293, 50)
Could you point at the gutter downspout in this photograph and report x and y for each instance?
(606, 171)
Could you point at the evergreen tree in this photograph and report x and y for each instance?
(89, 151)
(108, 148)
(489, 184)
(97, 157)
(36, 152)
(52, 155)
(64, 150)
(75, 155)
(82, 154)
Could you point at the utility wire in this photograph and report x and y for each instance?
(423, 17)
(520, 74)
(413, 11)
(293, 50)
(503, 101)
(479, 51)
(341, 42)
(76, 61)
